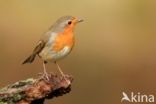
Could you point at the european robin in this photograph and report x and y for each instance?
(56, 43)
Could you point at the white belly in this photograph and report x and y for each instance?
(48, 55)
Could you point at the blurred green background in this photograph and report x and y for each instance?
(115, 47)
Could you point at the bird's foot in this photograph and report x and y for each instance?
(44, 76)
(64, 77)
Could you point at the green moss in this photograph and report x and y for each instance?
(22, 83)
(17, 95)
(3, 102)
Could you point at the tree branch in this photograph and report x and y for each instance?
(35, 91)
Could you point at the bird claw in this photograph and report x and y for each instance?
(44, 76)
(64, 77)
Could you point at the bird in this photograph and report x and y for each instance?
(56, 43)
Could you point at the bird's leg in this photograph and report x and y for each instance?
(63, 75)
(60, 69)
(44, 71)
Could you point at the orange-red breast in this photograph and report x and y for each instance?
(56, 43)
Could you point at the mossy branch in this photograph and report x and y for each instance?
(35, 91)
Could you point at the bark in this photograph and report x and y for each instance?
(35, 91)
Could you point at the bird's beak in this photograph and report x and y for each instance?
(79, 20)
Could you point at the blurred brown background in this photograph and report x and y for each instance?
(115, 47)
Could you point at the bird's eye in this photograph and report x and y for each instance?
(69, 22)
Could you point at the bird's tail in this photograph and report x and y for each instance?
(30, 59)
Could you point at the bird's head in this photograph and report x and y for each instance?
(65, 23)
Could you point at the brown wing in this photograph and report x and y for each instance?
(35, 52)
(39, 47)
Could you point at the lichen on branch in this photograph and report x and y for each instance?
(35, 91)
